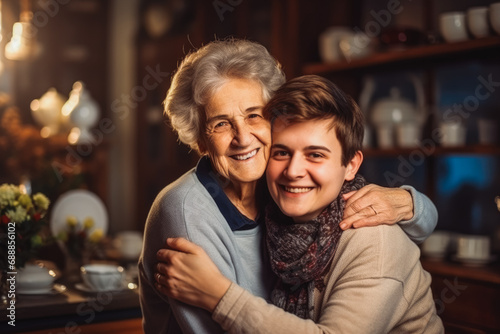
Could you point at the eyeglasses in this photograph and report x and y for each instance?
(222, 125)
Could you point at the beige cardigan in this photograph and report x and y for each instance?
(376, 285)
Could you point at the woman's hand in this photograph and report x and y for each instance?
(374, 205)
(186, 273)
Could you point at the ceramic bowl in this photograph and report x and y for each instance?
(34, 278)
(103, 277)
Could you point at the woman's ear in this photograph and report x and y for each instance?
(202, 149)
(353, 166)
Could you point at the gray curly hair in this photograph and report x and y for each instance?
(205, 70)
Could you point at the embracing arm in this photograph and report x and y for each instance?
(353, 303)
(374, 205)
(344, 312)
(187, 273)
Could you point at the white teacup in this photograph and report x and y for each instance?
(473, 247)
(488, 130)
(329, 41)
(453, 134)
(495, 16)
(129, 244)
(437, 244)
(103, 277)
(452, 27)
(477, 21)
(385, 136)
(408, 134)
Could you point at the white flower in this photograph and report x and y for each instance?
(18, 215)
(8, 195)
(41, 201)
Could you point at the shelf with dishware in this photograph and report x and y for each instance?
(434, 150)
(421, 64)
(415, 56)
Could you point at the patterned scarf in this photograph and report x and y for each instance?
(301, 252)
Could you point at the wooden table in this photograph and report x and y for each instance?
(467, 298)
(75, 311)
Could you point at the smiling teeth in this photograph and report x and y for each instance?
(297, 190)
(246, 156)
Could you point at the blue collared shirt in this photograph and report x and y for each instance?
(214, 183)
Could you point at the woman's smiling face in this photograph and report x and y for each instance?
(237, 137)
(305, 172)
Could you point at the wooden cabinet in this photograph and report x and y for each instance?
(467, 298)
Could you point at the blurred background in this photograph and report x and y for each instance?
(82, 84)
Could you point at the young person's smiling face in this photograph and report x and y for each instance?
(305, 172)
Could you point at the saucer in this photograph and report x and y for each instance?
(473, 262)
(54, 290)
(85, 288)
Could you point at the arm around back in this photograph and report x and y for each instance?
(425, 217)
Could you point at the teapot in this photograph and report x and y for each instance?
(395, 115)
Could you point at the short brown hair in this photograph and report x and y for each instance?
(312, 97)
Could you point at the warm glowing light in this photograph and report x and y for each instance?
(45, 132)
(70, 104)
(35, 104)
(18, 48)
(1, 63)
(77, 86)
(73, 136)
(23, 189)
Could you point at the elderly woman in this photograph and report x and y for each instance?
(215, 104)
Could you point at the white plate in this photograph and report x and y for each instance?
(473, 262)
(56, 289)
(81, 204)
(85, 288)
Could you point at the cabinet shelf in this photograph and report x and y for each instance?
(434, 150)
(427, 53)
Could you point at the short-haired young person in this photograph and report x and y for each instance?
(366, 280)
